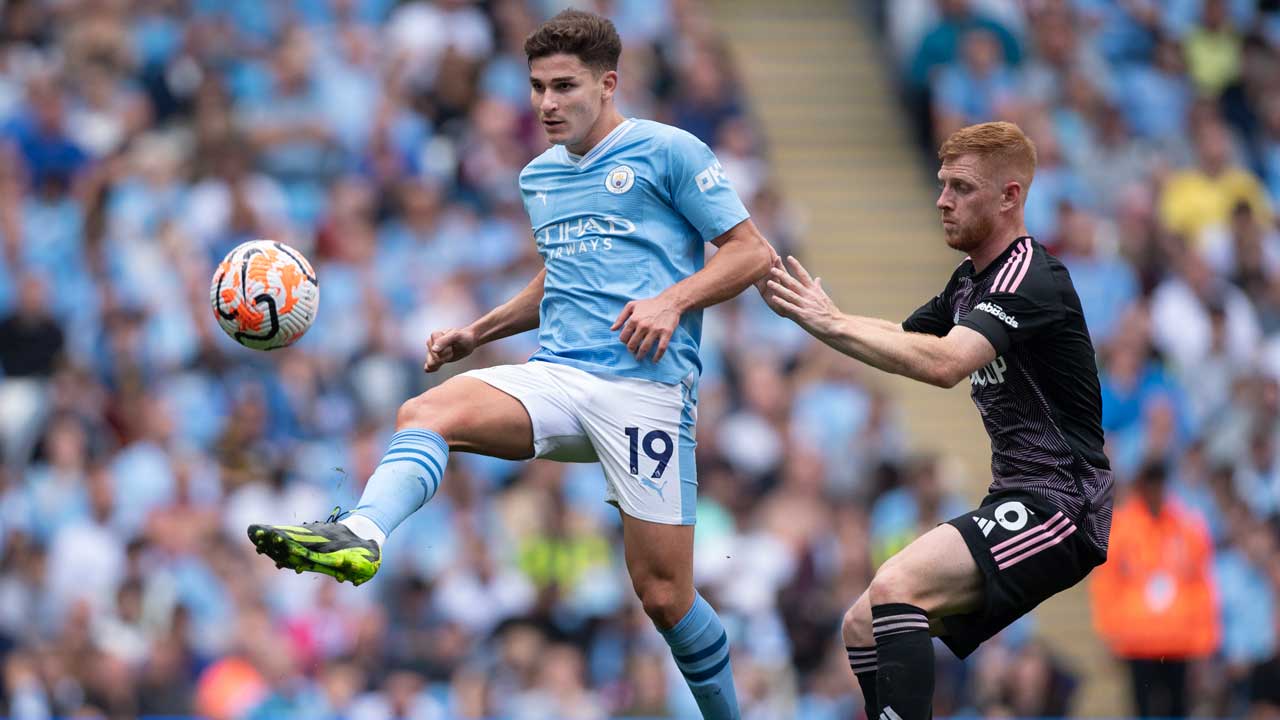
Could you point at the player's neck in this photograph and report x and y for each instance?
(1000, 241)
(605, 124)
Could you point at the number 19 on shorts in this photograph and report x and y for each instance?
(657, 445)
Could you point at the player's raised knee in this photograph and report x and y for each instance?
(895, 583)
(855, 629)
(427, 411)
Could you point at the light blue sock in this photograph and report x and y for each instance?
(405, 480)
(701, 649)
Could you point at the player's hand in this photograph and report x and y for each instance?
(648, 324)
(446, 346)
(762, 285)
(798, 296)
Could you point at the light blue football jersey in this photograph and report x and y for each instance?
(624, 222)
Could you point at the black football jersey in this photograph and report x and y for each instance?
(1039, 399)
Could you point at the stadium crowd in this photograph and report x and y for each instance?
(144, 139)
(1158, 129)
(140, 140)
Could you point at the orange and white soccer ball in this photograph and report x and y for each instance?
(264, 294)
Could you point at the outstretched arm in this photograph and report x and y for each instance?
(942, 361)
(516, 315)
(743, 258)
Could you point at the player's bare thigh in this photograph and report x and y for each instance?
(936, 573)
(660, 561)
(472, 416)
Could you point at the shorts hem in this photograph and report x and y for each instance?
(648, 517)
(545, 446)
(961, 637)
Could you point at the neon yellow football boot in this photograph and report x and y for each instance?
(327, 547)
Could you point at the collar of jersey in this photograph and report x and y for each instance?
(601, 147)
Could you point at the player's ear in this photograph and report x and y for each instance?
(1012, 196)
(609, 81)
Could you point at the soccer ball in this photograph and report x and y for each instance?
(264, 294)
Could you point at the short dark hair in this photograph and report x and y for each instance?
(589, 37)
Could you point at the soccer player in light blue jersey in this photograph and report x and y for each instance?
(621, 210)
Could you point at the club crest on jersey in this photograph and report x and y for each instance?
(620, 180)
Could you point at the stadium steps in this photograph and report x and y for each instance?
(841, 148)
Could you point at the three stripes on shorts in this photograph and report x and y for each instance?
(1014, 550)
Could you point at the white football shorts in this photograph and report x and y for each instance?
(641, 432)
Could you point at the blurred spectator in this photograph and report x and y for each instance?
(86, 559)
(705, 98)
(1154, 601)
(974, 88)
(1059, 51)
(941, 44)
(54, 492)
(1131, 378)
(31, 340)
(1248, 602)
(287, 124)
(1195, 310)
(31, 344)
(1057, 183)
(561, 690)
(1257, 476)
(1157, 96)
(904, 513)
(479, 594)
(1103, 280)
(51, 156)
(1213, 49)
(1244, 251)
(1199, 197)
(1269, 146)
(402, 695)
(1122, 31)
(931, 37)
(1204, 489)
(1025, 679)
(1114, 161)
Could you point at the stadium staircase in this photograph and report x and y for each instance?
(842, 150)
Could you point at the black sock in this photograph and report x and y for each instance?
(863, 662)
(904, 662)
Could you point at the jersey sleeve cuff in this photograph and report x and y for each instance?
(990, 328)
(720, 228)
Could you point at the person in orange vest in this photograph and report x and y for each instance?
(1154, 602)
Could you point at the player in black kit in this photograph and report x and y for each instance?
(1009, 319)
